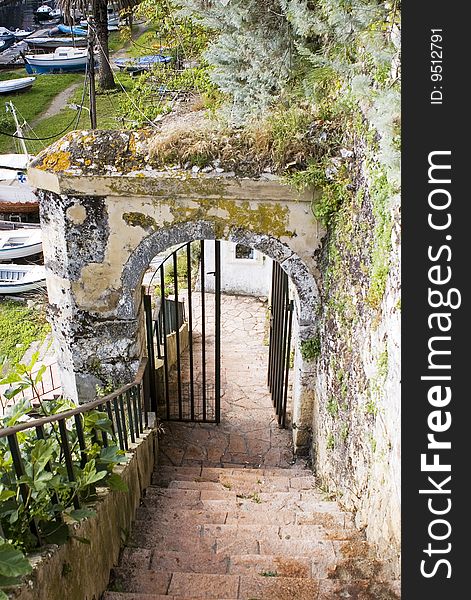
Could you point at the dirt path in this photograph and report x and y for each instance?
(57, 104)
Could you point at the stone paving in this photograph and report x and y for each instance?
(231, 516)
(248, 434)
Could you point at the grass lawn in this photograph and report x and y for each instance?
(31, 103)
(49, 86)
(19, 327)
(116, 41)
(146, 43)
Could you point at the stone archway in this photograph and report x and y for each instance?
(101, 229)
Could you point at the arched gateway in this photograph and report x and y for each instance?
(105, 214)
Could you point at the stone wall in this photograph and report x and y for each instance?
(356, 427)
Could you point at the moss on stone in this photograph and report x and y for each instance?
(137, 219)
(266, 217)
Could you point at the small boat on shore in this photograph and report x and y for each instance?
(50, 43)
(62, 60)
(21, 34)
(20, 243)
(6, 34)
(17, 197)
(143, 63)
(15, 85)
(72, 30)
(17, 279)
(45, 13)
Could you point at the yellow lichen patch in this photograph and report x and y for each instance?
(264, 217)
(55, 161)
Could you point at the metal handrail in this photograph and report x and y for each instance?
(67, 414)
(127, 409)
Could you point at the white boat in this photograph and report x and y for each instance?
(21, 34)
(43, 12)
(6, 34)
(14, 85)
(20, 243)
(16, 279)
(61, 60)
(17, 162)
(50, 43)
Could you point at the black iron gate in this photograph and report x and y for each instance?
(279, 357)
(183, 322)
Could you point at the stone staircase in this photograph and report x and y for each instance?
(238, 533)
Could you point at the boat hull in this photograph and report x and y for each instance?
(21, 288)
(17, 279)
(20, 252)
(16, 85)
(44, 43)
(72, 65)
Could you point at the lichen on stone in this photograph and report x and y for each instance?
(137, 219)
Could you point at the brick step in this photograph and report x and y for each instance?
(213, 586)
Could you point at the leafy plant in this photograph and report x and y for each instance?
(39, 505)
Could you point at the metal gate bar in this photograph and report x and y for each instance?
(189, 388)
(281, 320)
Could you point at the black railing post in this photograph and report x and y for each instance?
(190, 331)
(177, 335)
(164, 328)
(68, 458)
(203, 330)
(81, 440)
(287, 365)
(217, 326)
(150, 352)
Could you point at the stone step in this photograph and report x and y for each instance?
(280, 566)
(164, 474)
(204, 585)
(212, 586)
(283, 532)
(361, 589)
(190, 516)
(279, 499)
(201, 562)
(240, 485)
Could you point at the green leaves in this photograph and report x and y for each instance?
(12, 561)
(46, 494)
(80, 514)
(112, 455)
(116, 483)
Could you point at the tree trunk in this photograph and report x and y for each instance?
(100, 16)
